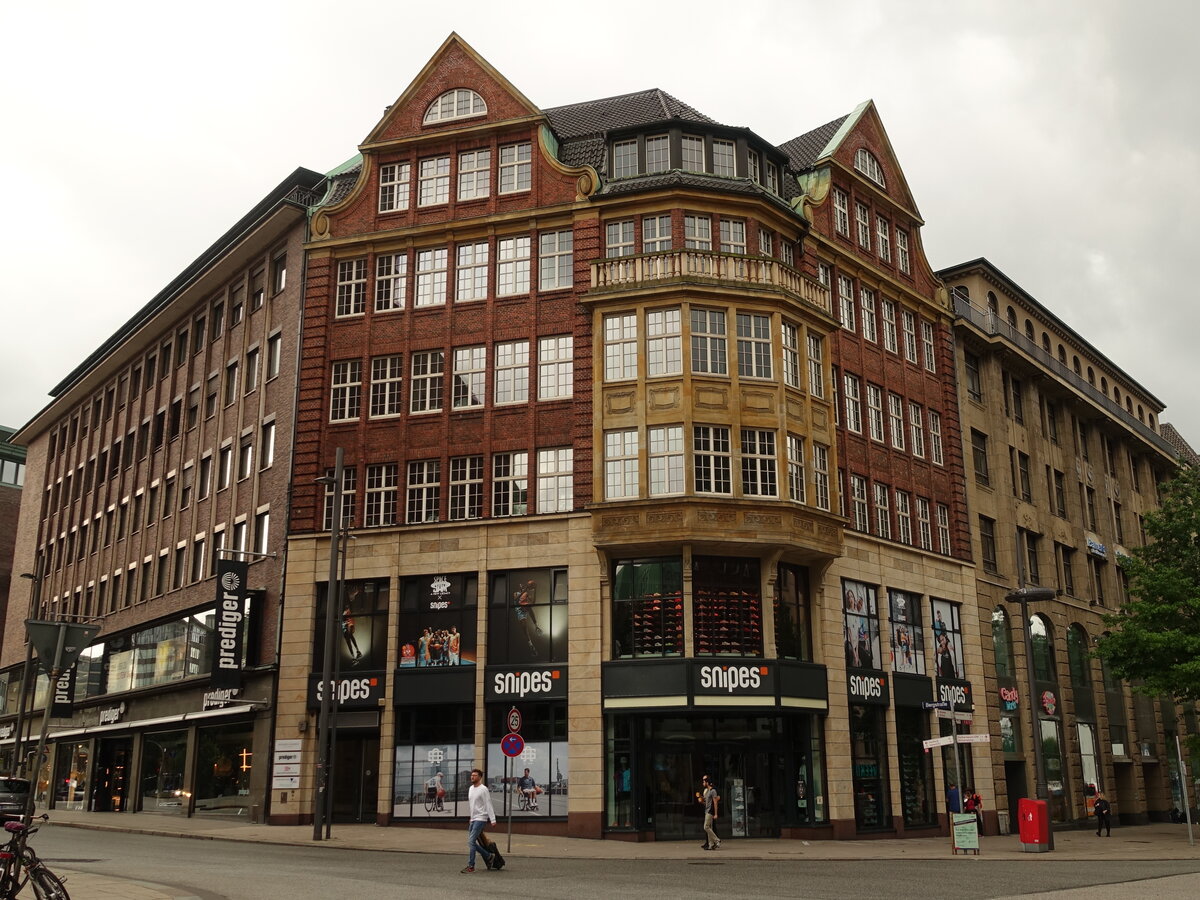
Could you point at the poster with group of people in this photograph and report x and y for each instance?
(861, 626)
(906, 650)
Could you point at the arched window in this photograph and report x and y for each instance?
(1029, 330)
(1011, 315)
(1128, 405)
(1062, 354)
(1103, 385)
(1075, 363)
(460, 103)
(1046, 342)
(1141, 414)
(962, 290)
(1091, 377)
(1116, 393)
(993, 303)
(1043, 649)
(865, 162)
(1077, 657)
(1002, 640)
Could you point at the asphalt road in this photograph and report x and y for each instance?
(224, 870)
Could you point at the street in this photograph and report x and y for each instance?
(228, 870)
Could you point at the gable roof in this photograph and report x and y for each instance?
(594, 117)
(806, 149)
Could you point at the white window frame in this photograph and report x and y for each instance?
(664, 342)
(709, 341)
(625, 159)
(916, 426)
(658, 153)
(890, 335)
(841, 212)
(423, 492)
(381, 495)
(656, 233)
(691, 153)
(433, 181)
(724, 158)
(466, 488)
(795, 464)
(862, 220)
(556, 371)
(620, 346)
(395, 180)
(866, 303)
(510, 484)
(620, 464)
(928, 346)
(391, 281)
(516, 168)
(555, 480)
(821, 476)
(923, 526)
(457, 103)
(512, 266)
(712, 459)
(759, 467)
(943, 528)
(618, 239)
(754, 345)
(471, 272)
(896, 420)
(431, 277)
(816, 367)
(733, 236)
(866, 163)
(936, 452)
(852, 397)
(902, 255)
(858, 497)
(556, 260)
(790, 342)
(904, 518)
(469, 380)
(345, 395)
(875, 412)
(427, 381)
(848, 313)
(883, 514)
(351, 287)
(909, 325)
(697, 232)
(511, 365)
(474, 174)
(666, 456)
(387, 386)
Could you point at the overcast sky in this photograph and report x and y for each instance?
(1058, 139)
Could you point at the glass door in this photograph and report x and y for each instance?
(111, 778)
(355, 782)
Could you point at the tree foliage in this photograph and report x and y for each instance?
(1154, 641)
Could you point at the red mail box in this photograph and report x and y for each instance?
(1034, 825)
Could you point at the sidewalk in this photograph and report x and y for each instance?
(1142, 843)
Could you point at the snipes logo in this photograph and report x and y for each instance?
(731, 678)
(522, 683)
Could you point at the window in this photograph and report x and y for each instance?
(821, 476)
(625, 159)
(754, 161)
(618, 239)
(647, 607)
(816, 375)
(474, 174)
(658, 153)
(708, 341)
(424, 491)
(512, 270)
(471, 272)
(1090, 504)
(765, 243)
(252, 370)
(883, 515)
(723, 158)
(790, 335)
(883, 238)
(274, 351)
(245, 457)
(510, 484)
(758, 463)
(231, 394)
(754, 345)
(555, 480)
(426, 392)
(664, 350)
(266, 445)
(391, 281)
(262, 530)
(466, 487)
(433, 181)
(224, 471)
(733, 236)
(1032, 569)
(896, 420)
(923, 524)
(943, 528)
(692, 149)
(710, 446)
(387, 373)
(862, 218)
(460, 103)
(916, 429)
(556, 259)
(772, 178)
(1066, 561)
(846, 303)
(841, 212)
(903, 518)
(875, 412)
(1097, 568)
(346, 393)
(866, 302)
(853, 403)
(795, 468)
(697, 233)
(656, 234)
(858, 497)
(512, 372)
(393, 186)
(910, 335)
(902, 258)
(516, 168)
(974, 382)
(555, 367)
(1118, 523)
(927, 347)
(1060, 494)
(204, 480)
(431, 277)
(196, 573)
(1021, 483)
(620, 347)
(979, 453)
(889, 326)
(666, 460)
(865, 162)
(1014, 399)
(620, 464)
(468, 388)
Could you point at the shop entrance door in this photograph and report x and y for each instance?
(111, 777)
(355, 782)
(750, 791)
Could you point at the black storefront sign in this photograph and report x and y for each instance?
(867, 687)
(958, 693)
(422, 687)
(62, 704)
(229, 630)
(733, 678)
(912, 690)
(525, 683)
(362, 690)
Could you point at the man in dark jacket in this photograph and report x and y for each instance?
(1103, 815)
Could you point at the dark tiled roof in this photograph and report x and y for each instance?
(804, 150)
(1172, 436)
(678, 178)
(627, 111)
(341, 185)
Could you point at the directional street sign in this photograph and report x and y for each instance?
(936, 704)
(514, 721)
(512, 745)
(974, 738)
(959, 716)
(939, 742)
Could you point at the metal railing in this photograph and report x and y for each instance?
(706, 266)
(991, 323)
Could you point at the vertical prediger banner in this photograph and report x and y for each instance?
(229, 629)
(62, 704)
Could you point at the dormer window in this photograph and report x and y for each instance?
(865, 162)
(461, 103)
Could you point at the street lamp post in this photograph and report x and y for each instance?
(1024, 595)
(35, 599)
(325, 714)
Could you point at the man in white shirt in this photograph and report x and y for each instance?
(479, 800)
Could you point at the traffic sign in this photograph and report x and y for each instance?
(512, 745)
(935, 704)
(514, 721)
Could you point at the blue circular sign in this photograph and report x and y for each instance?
(512, 745)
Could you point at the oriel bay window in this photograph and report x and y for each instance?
(727, 606)
(527, 618)
(647, 607)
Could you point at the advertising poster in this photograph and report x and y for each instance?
(861, 627)
(438, 621)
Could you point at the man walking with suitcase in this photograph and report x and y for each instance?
(479, 801)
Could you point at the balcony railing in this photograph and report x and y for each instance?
(990, 323)
(704, 266)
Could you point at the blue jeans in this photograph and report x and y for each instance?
(473, 833)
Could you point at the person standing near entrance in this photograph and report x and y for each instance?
(479, 801)
(711, 800)
(1103, 815)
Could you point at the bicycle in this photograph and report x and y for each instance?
(20, 865)
(434, 801)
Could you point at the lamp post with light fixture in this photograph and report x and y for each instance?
(321, 806)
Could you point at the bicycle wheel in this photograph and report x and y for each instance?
(47, 886)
